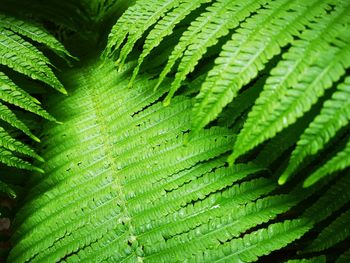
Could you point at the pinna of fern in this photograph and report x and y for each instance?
(311, 37)
(129, 184)
(19, 52)
(132, 190)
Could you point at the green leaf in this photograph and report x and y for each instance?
(334, 115)
(9, 143)
(23, 57)
(310, 67)
(234, 13)
(164, 27)
(11, 160)
(336, 232)
(11, 93)
(33, 31)
(134, 22)
(339, 162)
(8, 116)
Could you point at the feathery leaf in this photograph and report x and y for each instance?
(311, 65)
(334, 115)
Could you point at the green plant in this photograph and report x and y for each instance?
(177, 129)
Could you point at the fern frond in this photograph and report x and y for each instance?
(206, 23)
(11, 160)
(332, 200)
(9, 143)
(165, 27)
(6, 189)
(23, 57)
(257, 40)
(259, 243)
(34, 32)
(334, 115)
(292, 90)
(8, 116)
(337, 231)
(13, 94)
(233, 13)
(339, 162)
(134, 22)
(139, 135)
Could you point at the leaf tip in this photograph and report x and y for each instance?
(36, 138)
(39, 170)
(308, 182)
(282, 180)
(40, 159)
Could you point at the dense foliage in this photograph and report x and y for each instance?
(176, 130)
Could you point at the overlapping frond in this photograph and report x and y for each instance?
(134, 22)
(339, 162)
(129, 180)
(337, 231)
(222, 16)
(165, 27)
(302, 46)
(334, 115)
(257, 40)
(19, 52)
(310, 66)
(132, 187)
(34, 32)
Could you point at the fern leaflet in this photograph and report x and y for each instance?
(322, 48)
(334, 115)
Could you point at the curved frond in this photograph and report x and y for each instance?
(337, 231)
(257, 40)
(291, 90)
(234, 12)
(12, 94)
(133, 187)
(201, 25)
(134, 22)
(334, 115)
(140, 139)
(34, 32)
(11, 160)
(165, 27)
(339, 162)
(8, 116)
